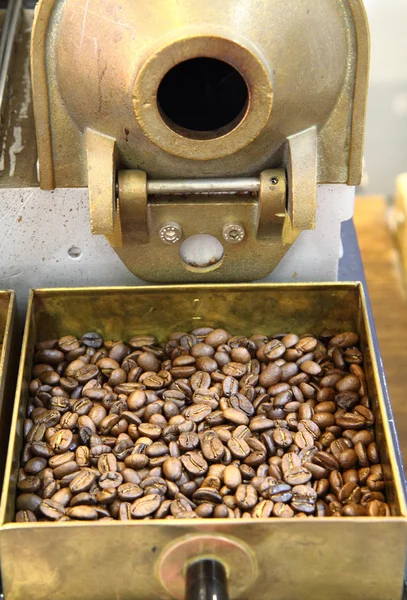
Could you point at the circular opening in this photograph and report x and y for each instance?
(201, 252)
(202, 98)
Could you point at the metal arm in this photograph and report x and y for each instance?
(206, 580)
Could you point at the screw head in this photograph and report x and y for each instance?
(170, 233)
(233, 233)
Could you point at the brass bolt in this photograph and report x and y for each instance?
(170, 233)
(233, 233)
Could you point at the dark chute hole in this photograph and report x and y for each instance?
(202, 98)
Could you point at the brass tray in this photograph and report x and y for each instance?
(335, 558)
(8, 363)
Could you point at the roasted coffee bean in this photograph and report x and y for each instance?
(63, 496)
(351, 509)
(326, 460)
(194, 463)
(289, 461)
(41, 449)
(246, 496)
(28, 501)
(377, 508)
(303, 499)
(136, 461)
(29, 484)
(282, 510)
(350, 492)
(110, 479)
(344, 340)
(212, 448)
(303, 439)
(61, 441)
(297, 475)
(82, 513)
(106, 496)
(172, 468)
(82, 482)
(239, 448)
(232, 477)
(310, 427)
(188, 441)
(25, 516)
(106, 463)
(35, 465)
(236, 416)
(263, 510)
(51, 509)
(375, 482)
(197, 412)
(281, 425)
(351, 421)
(278, 491)
(373, 453)
(348, 459)
(142, 507)
(128, 492)
(282, 437)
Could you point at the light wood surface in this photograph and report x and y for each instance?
(388, 298)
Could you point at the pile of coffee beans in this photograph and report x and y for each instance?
(208, 424)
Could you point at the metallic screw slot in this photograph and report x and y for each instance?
(233, 233)
(170, 233)
(274, 180)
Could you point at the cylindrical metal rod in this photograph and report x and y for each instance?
(206, 580)
(203, 186)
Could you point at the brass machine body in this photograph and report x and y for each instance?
(97, 68)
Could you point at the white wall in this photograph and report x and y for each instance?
(386, 128)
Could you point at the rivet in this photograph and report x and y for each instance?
(233, 233)
(170, 233)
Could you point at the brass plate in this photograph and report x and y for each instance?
(332, 558)
(97, 69)
(8, 363)
(93, 63)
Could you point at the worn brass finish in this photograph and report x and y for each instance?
(269, 232)
(8, 363)
(301, 160)
(244, 57)
(96, 70)
(132, 194)
(101, 152)
(334, 558)
(90, 63)
(272, 203)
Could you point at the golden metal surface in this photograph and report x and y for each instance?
(101, 152)
(8, 363)
(272, 203)
(333, 557)
(133, 207)
(236, 558)
(97, 68)
(94, 54)
(301, 160)
(209, 42)
(267, 224)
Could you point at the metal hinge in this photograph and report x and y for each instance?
(252, 220)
